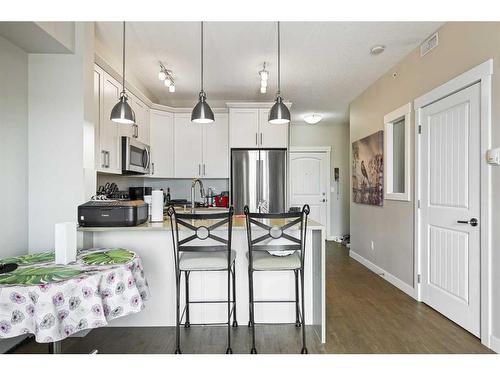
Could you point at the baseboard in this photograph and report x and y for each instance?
(398, 283)
(495, 343)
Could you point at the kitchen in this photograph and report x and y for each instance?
(191, 187)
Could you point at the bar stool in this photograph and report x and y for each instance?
(203, 258)
(290, 259)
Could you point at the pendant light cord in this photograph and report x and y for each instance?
(201, 56)
(279, 60)
(123, 71)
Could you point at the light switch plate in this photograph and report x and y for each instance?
(493, 156)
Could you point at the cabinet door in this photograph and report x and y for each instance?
(216, 148)
(141, 130)
(271, 135)
(188, 146)
(109, 134)
(243, 127)
(162, 138)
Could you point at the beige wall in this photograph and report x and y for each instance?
(461, 47)
(337, 137)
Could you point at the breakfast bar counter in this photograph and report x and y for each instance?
(153, 243)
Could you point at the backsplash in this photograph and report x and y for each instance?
(179, 188)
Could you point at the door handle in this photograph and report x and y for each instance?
(473, 222)
(323, 200)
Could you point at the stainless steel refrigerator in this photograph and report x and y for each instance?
(258, 179)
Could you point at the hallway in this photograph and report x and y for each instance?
(365, 314)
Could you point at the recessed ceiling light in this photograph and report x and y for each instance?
(313, 118)
(377, 50)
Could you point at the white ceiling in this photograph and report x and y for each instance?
(324, 65)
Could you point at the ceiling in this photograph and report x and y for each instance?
(324, 65)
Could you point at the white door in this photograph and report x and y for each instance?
(309, 183)
(450, 201)
(244, 127)
(162, 139)
(216, 148)
(188, 146)
(271, 135)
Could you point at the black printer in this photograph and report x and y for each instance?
(112, 213)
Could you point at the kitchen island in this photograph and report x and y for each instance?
(153, 242)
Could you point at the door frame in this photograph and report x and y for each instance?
(480, 74)
(317, 149)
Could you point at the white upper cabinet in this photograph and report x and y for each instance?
(216, 148)
(249, 128)
(243, 127)
(201, 150)
(161, 126)
(109, 159)
(271, 135)
(140, 130)
(188, 146)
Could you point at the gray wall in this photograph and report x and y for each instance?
(337, 137)
(391, 226)
(13, 149)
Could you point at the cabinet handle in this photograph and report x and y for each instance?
(199, 169)
(103, 157)
(256, 135)
(203, 169)
(107, 162)
(261, 139)
(153, 168)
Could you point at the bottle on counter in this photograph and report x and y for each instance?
(168, 196)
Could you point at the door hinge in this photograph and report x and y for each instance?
(420, 129)
(418, 279)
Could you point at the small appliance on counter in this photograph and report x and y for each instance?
(157, 203)
(222, 200)
(111, 213)
(138, 192)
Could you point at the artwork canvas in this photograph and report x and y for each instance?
(368, 170)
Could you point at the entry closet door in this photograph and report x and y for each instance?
(450, 204)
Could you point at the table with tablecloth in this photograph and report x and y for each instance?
(54, 301)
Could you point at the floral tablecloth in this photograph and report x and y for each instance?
(55, 301)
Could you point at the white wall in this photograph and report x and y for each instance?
(58, 113)
(337, 137)
(13, 149)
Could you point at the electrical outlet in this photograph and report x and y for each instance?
(372, 245)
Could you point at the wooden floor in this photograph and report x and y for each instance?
(365, 314)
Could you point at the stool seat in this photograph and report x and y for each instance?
(205, 260)
(263, 261)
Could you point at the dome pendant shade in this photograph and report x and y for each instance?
(202, 113)
(122, 112)
(279, 113)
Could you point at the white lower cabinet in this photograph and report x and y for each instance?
(161, 127)
(201, 150)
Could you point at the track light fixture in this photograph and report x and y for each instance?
(167, 77)
(264, 76)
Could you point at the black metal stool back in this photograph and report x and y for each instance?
(276, 225)
(199, 227)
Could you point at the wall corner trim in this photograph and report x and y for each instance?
(495, 343)
(398, 283)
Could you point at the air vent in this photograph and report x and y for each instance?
(429, 44)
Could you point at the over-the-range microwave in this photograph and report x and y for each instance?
(136, 156)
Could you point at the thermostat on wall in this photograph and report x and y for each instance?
(493, 156)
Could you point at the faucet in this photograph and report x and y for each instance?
(202, 191)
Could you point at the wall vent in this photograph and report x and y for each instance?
(429, 44)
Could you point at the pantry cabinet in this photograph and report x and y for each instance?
(106, 94)
(249, 128)
(201, 150)
(161, 127)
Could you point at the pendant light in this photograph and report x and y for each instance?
(122, 113)
(279, 113)
(202, 113)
